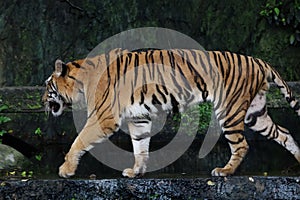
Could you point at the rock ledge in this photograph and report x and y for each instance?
(198, 188)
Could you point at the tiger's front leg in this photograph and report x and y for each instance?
(89, 135)
(140, 136)
(72, 158)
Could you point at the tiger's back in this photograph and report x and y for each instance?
(176, 79)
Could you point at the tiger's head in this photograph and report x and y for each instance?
(63, 87)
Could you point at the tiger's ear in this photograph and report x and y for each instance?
(60, 68)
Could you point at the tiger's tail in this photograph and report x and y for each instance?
(285, 90)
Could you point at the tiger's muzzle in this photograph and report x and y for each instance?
(54, 102)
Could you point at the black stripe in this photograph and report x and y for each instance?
(155, 100)
(253, 116)
(232, 77)
(204, 95)
(174, 103)
(296, 107)
(125, 68)
(72, 77)
(196, 77)
(237, 142)
(77, 81)
(238, 149)
(247, 69)
(147, 107)
(270, 132)
(209, 62)
(177, 85)
(202, 64)
(252, 75)
(64, 69)
(53, 86)
(290, 99)
(180, 70)
(76, 64)
(161, 58)
(127, 62)
(142, 98)
(219, 63)
(181, 53)
(161, 94)
(129, 55)
(132, 94)
(239, 61)
(227, 56)
(103, 112)
(262, 130)
(219, 98)
(194, 56)
(145, 85)
(118, 68)
(140, 138)
(136, 68)
(233, 122)
(115, 93)
(106, 91)
(233, 132)
(171, 59)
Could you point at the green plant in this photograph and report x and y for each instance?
(3, 119)
(190, 118)
(284, 13)
(38, 132)
(27, 174)
(38, 157)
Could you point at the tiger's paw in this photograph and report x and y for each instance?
(130, 173)
(67, 170)
(222, 172)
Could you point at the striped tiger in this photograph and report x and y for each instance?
(136, 85)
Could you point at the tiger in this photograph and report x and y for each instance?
(137, 85)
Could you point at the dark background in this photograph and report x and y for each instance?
(34, 33)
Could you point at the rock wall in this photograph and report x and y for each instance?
(34, 34)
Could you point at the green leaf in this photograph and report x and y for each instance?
(2, 132)
(3, 107)
(277, 11)
(38, 131)
(38, 157)
(292, 39)
(4, 119)
(23, 174)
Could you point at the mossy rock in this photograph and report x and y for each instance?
(11, 158)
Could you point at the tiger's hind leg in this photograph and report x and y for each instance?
(258, 120)
(233, 129)
(140, 136)
(239, 148)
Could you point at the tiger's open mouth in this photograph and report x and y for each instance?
(54, 106)
(57, 107)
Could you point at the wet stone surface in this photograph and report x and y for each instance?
(200, 188)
